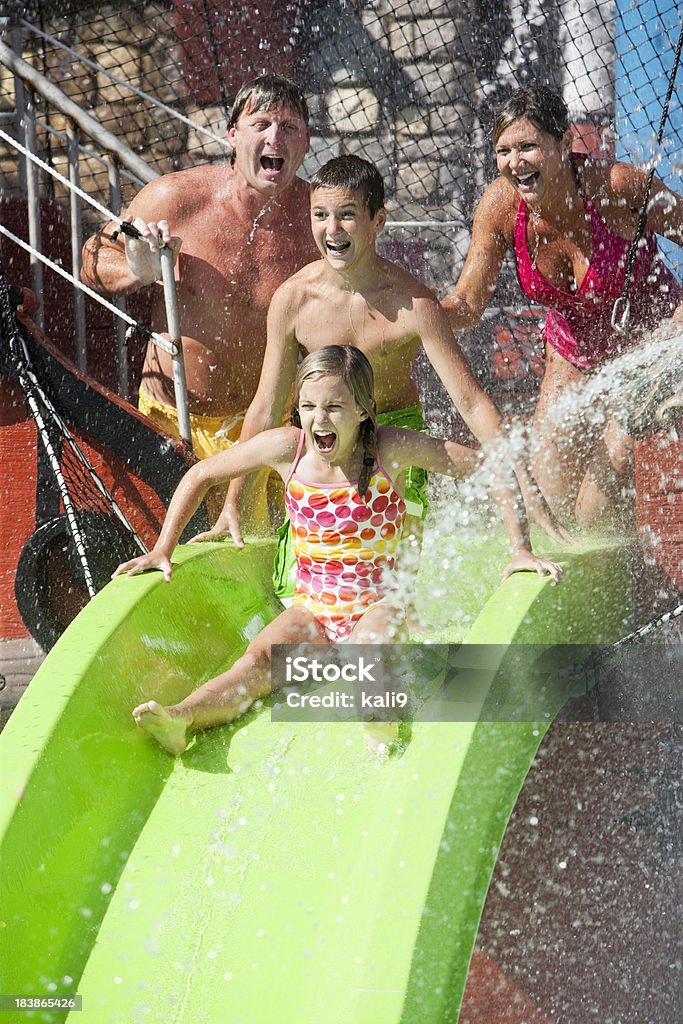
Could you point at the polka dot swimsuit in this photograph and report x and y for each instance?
(344, 547)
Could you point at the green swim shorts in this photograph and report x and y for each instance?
(284, 569)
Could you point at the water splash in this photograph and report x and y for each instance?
(463, 516)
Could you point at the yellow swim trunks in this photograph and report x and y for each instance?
(210, 434)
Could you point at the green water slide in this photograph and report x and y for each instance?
(278, 871)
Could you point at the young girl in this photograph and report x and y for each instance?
(343, 482)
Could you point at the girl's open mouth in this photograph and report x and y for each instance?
(324, 442)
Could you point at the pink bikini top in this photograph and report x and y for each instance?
(578, 324)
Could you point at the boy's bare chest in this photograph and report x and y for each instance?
(375, 330)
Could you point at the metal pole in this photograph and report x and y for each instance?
(115, 202)
(76, 245)
(33, 205)
(175, 337)
(19, 92)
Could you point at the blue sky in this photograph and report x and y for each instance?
(647, 33)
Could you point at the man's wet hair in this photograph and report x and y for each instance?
(538, 104)
(266, 92)
(356, 175)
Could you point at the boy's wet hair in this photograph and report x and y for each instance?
(352, 367)
(354, 174)
(538, 104)
(266, 92)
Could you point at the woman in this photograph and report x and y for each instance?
(570, 220)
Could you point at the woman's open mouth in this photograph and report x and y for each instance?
(325, 441)
(527, 182)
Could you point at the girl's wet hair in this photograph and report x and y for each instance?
(352, 367)
(354, 174)
(538, 104)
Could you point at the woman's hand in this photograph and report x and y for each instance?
(153, 560)
(526, 561)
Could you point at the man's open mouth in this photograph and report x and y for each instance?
(272, 163)
(324, 442)
(337, 248)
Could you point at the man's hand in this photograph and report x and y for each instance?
(143, 253)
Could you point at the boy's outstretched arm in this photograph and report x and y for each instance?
(267, 408)
(474, 405)
(401, 448)
(274, 448)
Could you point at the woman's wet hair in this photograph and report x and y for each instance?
(354, 174)
(538, 104)
(352, 367)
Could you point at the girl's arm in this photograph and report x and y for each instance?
(401, 448)
(274, 448)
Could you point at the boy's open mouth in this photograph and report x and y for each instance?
(272, 163)
(336, 248)
(324, 442)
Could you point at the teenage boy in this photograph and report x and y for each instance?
(352, 296)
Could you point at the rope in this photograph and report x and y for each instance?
(60, 177)
(620, 319)
(28, 389)
(649, 627)
(23, 365)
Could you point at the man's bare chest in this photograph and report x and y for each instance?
(239, 273)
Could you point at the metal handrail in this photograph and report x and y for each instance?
(88, 125)
(117, 155)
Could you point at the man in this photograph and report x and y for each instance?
(239, 231)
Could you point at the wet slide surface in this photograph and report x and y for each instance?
(277, 870)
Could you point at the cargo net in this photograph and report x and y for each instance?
(408, 84)
(86, 534)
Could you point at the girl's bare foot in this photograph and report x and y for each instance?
(167, 727)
